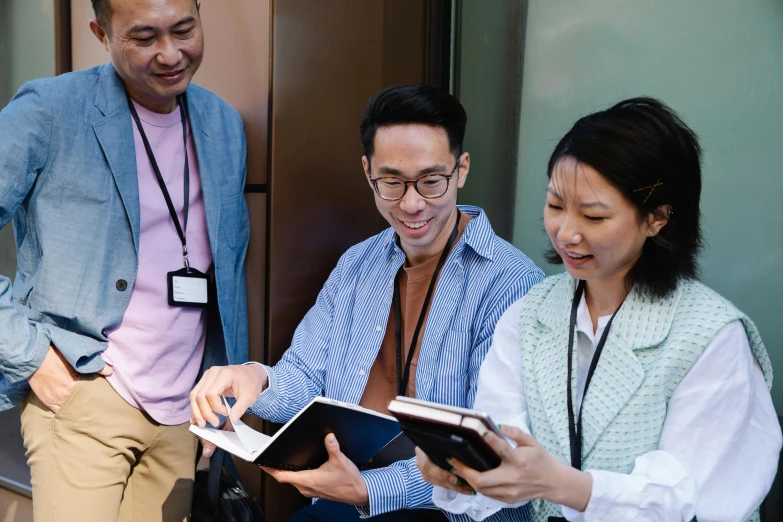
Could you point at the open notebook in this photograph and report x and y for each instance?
(299, 444)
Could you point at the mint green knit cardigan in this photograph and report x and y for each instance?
(651, 346)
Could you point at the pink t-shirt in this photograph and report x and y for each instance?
(156, 351)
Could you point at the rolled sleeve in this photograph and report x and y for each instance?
(267, 397)
(386, 489)
(18, 365)
(396, 487)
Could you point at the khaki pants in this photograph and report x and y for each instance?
(98, 459)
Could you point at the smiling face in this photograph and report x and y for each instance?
(597, 232)
(408, 152)
(156, 46)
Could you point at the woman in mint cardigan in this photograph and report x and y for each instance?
(631, 391)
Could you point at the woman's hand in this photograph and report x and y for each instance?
(438, 476)
(525, 472)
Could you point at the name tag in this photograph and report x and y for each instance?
(188, 288)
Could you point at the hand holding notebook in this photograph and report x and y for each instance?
(445, 432)
(299, 444)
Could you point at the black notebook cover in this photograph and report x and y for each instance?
(440, 442)
(300, 444)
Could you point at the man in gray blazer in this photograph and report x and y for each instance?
(125, 187)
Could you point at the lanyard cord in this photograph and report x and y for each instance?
(575, 429)
(402, 378)
(181, 230)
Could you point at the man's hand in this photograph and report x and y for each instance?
(243, 381)
(209, 448)
(338, 479)
(55, 379)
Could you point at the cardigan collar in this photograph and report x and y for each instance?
(641, 322)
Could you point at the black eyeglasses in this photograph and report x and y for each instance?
(430, 186)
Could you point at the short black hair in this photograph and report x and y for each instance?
(406, 104)
(102, 10)
(638, 144)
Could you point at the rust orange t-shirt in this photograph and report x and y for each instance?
(414, 281)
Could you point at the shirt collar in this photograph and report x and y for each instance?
(584, 323)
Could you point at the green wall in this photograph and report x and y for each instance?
(26, 43)
(5, 47)
(490, 37)
(719, 63)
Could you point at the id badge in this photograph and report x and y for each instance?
(188, 288)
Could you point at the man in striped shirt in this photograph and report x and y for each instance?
(409, 311)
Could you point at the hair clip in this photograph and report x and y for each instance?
(658, 183)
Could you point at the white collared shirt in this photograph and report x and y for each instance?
(718, 451)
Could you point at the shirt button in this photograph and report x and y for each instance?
(378, 328)
(122, 285)
(361, 372)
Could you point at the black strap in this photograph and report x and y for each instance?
(403, 377)
(181, 230)
(575, 429)
(220, 459)
(213, 477)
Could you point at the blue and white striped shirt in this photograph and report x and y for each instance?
(338, 340)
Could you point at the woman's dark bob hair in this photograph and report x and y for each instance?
(643, 148)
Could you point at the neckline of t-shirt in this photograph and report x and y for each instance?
(157, 119)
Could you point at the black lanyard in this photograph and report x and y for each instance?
(575, 430)
(402, 378)
(181, 230)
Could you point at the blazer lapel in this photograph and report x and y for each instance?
(549, 365)
(207, 170)
(641, 323)
(550, 359)
(617, 377)
(115, 135)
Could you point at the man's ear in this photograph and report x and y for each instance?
(366, 166)
(657, 219)
(464, 168)
(99, 33)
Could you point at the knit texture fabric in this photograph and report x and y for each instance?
(651, 346)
